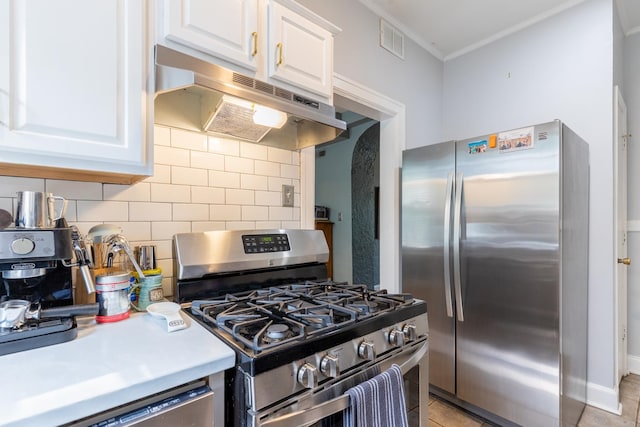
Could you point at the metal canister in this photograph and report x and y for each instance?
(112, 295)
(146, 257)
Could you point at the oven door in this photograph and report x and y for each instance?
(327, 405)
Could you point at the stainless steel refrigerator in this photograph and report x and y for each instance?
(495, 239)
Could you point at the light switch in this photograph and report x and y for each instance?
(287, 196)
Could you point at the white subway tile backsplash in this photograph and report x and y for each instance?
(149, 211)
(275, 184)
(161, 135)
(171, 156)
(224, 213)
(238, 164)
(207, 195)
(266, 225)
(290, 171)
(279, 155)
(167, 268)
(207, 160)
(11, 185)
(200, 183)
(224, 179)
(161, 174)
(140, 192)
(239, 197)
(207, 226)
(166, 230)
(188, 140)
(170, 193)
(71, 214)
(6, 203)
(228, 147)
(75, 189)
(254, 182)
(189, 176)
(291, 224)
(241, 225)
(164, 249)
(253, 151)
(135, 231)
(103, 211)
(268, 198)
(280, 213)
(254, 213)
(267, 168)
(190, 212)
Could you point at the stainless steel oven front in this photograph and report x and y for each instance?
(326, 403)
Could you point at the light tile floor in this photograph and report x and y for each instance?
(443, 414)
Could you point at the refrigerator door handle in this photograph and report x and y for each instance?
(456, 247)
(447, 243)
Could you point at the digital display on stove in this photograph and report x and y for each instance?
(261, 243)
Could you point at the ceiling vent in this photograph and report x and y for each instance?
(391, 39)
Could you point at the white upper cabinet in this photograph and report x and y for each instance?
(76, 89)
(300, 51)
(276, 41)
(224, 28)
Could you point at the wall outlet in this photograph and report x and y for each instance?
(287, 196)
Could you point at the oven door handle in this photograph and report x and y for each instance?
(335, 405)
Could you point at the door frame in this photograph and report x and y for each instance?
(620, 233)
(360, 99)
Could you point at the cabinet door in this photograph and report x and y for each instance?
(75, 86)
(221, 28)
(300, 52)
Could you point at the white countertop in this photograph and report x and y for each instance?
(105, 366)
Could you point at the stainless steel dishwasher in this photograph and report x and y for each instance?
(188, 405)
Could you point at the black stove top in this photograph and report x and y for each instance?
(271, 326)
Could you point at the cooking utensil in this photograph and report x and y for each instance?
(83, 259)
(14, 313)
(97, 248)
(146, 256)
(169, 311)
(117, 243)
(37, 209)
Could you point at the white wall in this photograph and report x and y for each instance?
(557, 69)
(200, 183)
(415, 81)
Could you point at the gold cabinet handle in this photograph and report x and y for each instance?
(279, 47)
(254, 36)
(625, 261)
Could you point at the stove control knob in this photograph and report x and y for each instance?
(366, 350)
(396, 337)
(22, 246)
(308, 376)
(409, 332)
(329, 366)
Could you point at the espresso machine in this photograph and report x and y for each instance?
(36, 290)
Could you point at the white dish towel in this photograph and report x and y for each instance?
(378, 402)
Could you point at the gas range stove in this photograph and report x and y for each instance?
(284, 323)
(299, 337)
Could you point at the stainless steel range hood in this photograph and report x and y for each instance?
(196, 95)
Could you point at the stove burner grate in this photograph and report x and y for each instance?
(269, 317)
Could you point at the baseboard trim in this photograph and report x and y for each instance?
(633, 364)
(604, 398)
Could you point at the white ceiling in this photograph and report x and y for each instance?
(447, 31)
